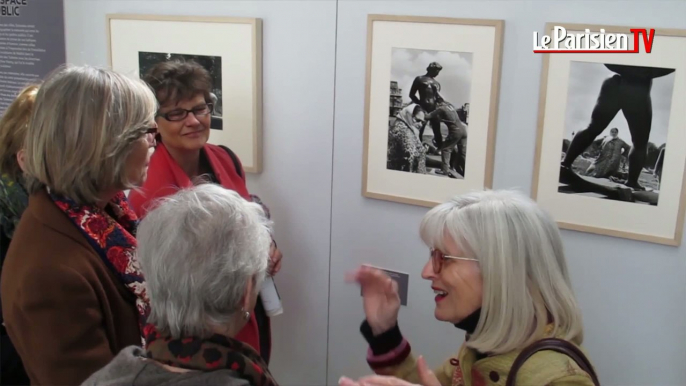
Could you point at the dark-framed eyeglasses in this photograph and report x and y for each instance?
(181, 114)
(438, 257)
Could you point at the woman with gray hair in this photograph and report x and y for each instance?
(499, 273)
(204, 252)
(72, 293)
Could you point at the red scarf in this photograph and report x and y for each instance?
(112, 236)
(165, 177)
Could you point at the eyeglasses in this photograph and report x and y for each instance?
(438, 257)
(181, 114)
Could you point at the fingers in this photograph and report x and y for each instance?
(277, 268)
(351, 277)
(275, 257)
(393, 290)
(426, 376)
(382, 380)
(274, 253)
(393, 286)
(371, 275)
(359, 275)
(345, 381)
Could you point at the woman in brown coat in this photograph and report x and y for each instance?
(72, 293)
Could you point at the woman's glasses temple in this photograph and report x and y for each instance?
(437, 258)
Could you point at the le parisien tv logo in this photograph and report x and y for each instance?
(563, 41)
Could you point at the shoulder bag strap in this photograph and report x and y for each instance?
(559, 345)
(234, 158)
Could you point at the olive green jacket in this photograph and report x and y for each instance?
(543, 368)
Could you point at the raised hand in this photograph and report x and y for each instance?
(380, 297)
(275, 257)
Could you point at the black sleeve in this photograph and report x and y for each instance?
(384, 342)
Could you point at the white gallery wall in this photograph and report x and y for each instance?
(633, 294)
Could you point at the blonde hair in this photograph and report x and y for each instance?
(13, 130)
(82, 130)
(526, 283)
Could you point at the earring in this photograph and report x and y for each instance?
(246, 314)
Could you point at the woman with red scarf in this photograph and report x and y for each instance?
(73, 295)
(183, 158)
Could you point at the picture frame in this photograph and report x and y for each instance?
(455, 81)
(602, 182)
(135, 42)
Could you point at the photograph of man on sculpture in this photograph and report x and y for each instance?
(429, 112)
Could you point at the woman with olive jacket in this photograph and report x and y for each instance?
(499, 274)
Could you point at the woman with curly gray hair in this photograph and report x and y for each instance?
(204, 252)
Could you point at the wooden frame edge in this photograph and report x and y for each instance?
(258, 135)
(108, 32)
(203, 19)
(494, 103)
(402, 200)
(435, 20)
(542, 98)
(256, 23)
(681, 213)
(367, 100)
(674, 242)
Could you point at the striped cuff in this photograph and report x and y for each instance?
(391, 358)
(386, 349)
(384, 342)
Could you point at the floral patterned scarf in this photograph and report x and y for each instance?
(111, 232)
(213, 353)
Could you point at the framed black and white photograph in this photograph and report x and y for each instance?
(432, 87)
(213, 65)
(429, 95)
(607, 161)
(232, 55)
(616, 131)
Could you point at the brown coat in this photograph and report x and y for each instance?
(66, 312)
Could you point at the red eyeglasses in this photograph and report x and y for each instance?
(438, 257)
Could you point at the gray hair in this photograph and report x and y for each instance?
(84, 123)
(198, 249)
(525, 278)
